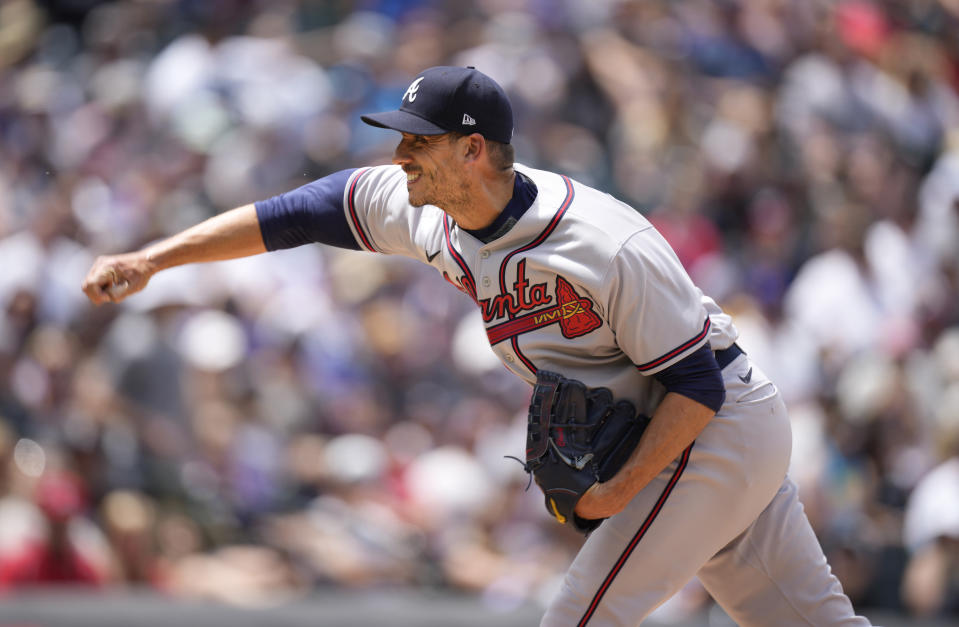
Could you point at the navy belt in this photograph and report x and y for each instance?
(726, 356)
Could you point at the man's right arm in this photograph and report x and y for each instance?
(307, 214)
(229, 235)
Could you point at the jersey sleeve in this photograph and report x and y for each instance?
(360, 209)
(307, 214)
(696, 376)
(379, 214)
(652, 305)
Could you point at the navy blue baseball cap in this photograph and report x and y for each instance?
(444, 99)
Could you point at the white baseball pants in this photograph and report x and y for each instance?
(725, 511)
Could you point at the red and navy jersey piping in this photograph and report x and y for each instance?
(567, 202)
(351, 206)
(469, 283)
(649, 365)
(570, 194)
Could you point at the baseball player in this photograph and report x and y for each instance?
(570, 280)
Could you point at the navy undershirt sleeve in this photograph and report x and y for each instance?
(697, 377)
(308, 214)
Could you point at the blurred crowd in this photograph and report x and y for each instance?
(251, 430)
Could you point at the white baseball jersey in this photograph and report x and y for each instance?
(583, 285)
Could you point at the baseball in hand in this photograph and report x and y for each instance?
(119, 289)
(116, 286)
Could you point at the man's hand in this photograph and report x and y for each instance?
(112, 278)
(602, 500)
(229, 235)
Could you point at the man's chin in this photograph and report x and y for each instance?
(418, 200)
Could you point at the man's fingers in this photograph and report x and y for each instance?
(106, 284)
(96, 293)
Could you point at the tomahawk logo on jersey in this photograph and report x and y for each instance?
(573, 313)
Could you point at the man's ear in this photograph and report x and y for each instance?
(474, 147)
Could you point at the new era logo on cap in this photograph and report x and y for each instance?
(436, 102)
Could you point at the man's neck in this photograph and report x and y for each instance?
(524, 195)
(488, 201)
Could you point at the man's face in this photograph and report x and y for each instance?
(434, 173)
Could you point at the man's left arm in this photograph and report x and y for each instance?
(695, 392)
(674, 425)
(657, 314)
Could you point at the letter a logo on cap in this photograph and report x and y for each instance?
(412, 89)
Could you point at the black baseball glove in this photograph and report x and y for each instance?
(575, 437)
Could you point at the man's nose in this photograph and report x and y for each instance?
(401, 155)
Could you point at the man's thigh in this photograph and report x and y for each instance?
(775, 572)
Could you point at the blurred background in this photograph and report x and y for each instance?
(319, 431)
